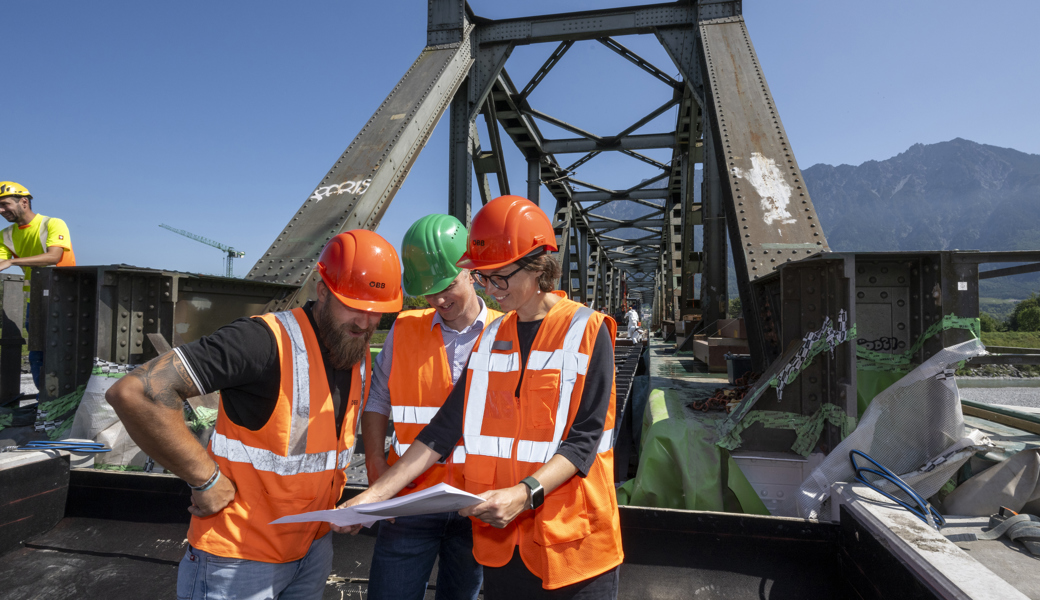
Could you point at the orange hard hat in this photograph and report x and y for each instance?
(362, 270)
(505, 230)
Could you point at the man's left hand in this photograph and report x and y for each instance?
(5, 264)
(500, 507)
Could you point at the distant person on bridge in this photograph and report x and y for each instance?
(33, 241)
(292, 385)
(424, 354)
(535, 412)
(633, 325)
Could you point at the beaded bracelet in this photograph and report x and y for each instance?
(212, 481)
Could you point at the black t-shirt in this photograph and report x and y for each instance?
(582, 440)
(241, 361)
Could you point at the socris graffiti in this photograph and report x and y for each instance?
(347, 187)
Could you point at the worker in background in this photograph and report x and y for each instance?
(423, 356)
(32, 241)
(633, 325)
(292, 386)
(535, 410)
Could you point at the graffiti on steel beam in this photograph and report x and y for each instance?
(882, 344)
(347, 187)
(768, 180)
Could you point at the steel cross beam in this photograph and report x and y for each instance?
(588, 25)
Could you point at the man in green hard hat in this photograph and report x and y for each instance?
(424, 354)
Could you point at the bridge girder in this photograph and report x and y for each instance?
(605, 254)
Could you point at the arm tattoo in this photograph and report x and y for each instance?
(166, 381)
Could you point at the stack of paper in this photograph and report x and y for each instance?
(439, 498)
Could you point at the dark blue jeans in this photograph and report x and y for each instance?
(405, 552)
(205, 576)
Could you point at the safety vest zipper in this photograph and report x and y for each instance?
(516, 444)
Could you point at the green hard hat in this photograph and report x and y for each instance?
(429, 251)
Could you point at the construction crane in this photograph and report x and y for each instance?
(229, 257)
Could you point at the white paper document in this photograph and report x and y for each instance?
(439, 498)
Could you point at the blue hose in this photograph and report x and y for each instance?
(77, 447)
(923, 510)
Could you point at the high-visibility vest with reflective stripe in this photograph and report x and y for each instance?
(293, 464)
(68, 257)
(420, 380)
(576, 533)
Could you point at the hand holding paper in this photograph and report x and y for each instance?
(439, 498)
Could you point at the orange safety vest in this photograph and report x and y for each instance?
(576, 533)
(294, 463)
(420, 380)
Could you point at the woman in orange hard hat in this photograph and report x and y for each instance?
(535, 411)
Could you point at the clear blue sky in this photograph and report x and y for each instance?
(222, 117)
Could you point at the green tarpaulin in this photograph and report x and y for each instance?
(681, 467)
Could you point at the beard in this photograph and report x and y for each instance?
(345, 350)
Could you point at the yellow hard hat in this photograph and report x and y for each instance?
(10, 188)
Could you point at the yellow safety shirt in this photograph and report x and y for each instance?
(20, 241)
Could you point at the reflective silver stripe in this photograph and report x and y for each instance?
(458, 455)
(265, 460)
(488, 445)
(479, 365)
(607, 441)
(574, 362)
(345, 456)
(43, 233)
(568, 360)
(419, 415)
(555, 360)
(535, 452)
(301, 401)
(9, 239)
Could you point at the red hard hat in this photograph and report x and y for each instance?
(362, 270)
(505, 230)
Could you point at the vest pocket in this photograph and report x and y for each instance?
(479, 472)
(543, 394)
(290, 505)
(564, 516)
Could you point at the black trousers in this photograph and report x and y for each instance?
(514, 581)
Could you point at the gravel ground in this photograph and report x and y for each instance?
(1010, 396)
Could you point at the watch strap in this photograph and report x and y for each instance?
(537, 492)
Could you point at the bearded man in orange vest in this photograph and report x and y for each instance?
(535, 412)
(424, 354)
(292, 385)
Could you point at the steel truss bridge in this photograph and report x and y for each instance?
(752, 200)
(726, 121)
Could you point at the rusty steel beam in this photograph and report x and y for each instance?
(360, 185)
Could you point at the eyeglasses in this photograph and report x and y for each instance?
(499, 281)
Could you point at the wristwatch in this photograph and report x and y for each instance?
(535, 491)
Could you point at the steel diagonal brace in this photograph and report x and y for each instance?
(551, 62)
(639, 61)
(359, 187)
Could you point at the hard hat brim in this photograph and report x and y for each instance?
(388, 306)
(467, 262)
(414, 288)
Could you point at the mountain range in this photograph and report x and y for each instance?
(955, 195)
(950, 195)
